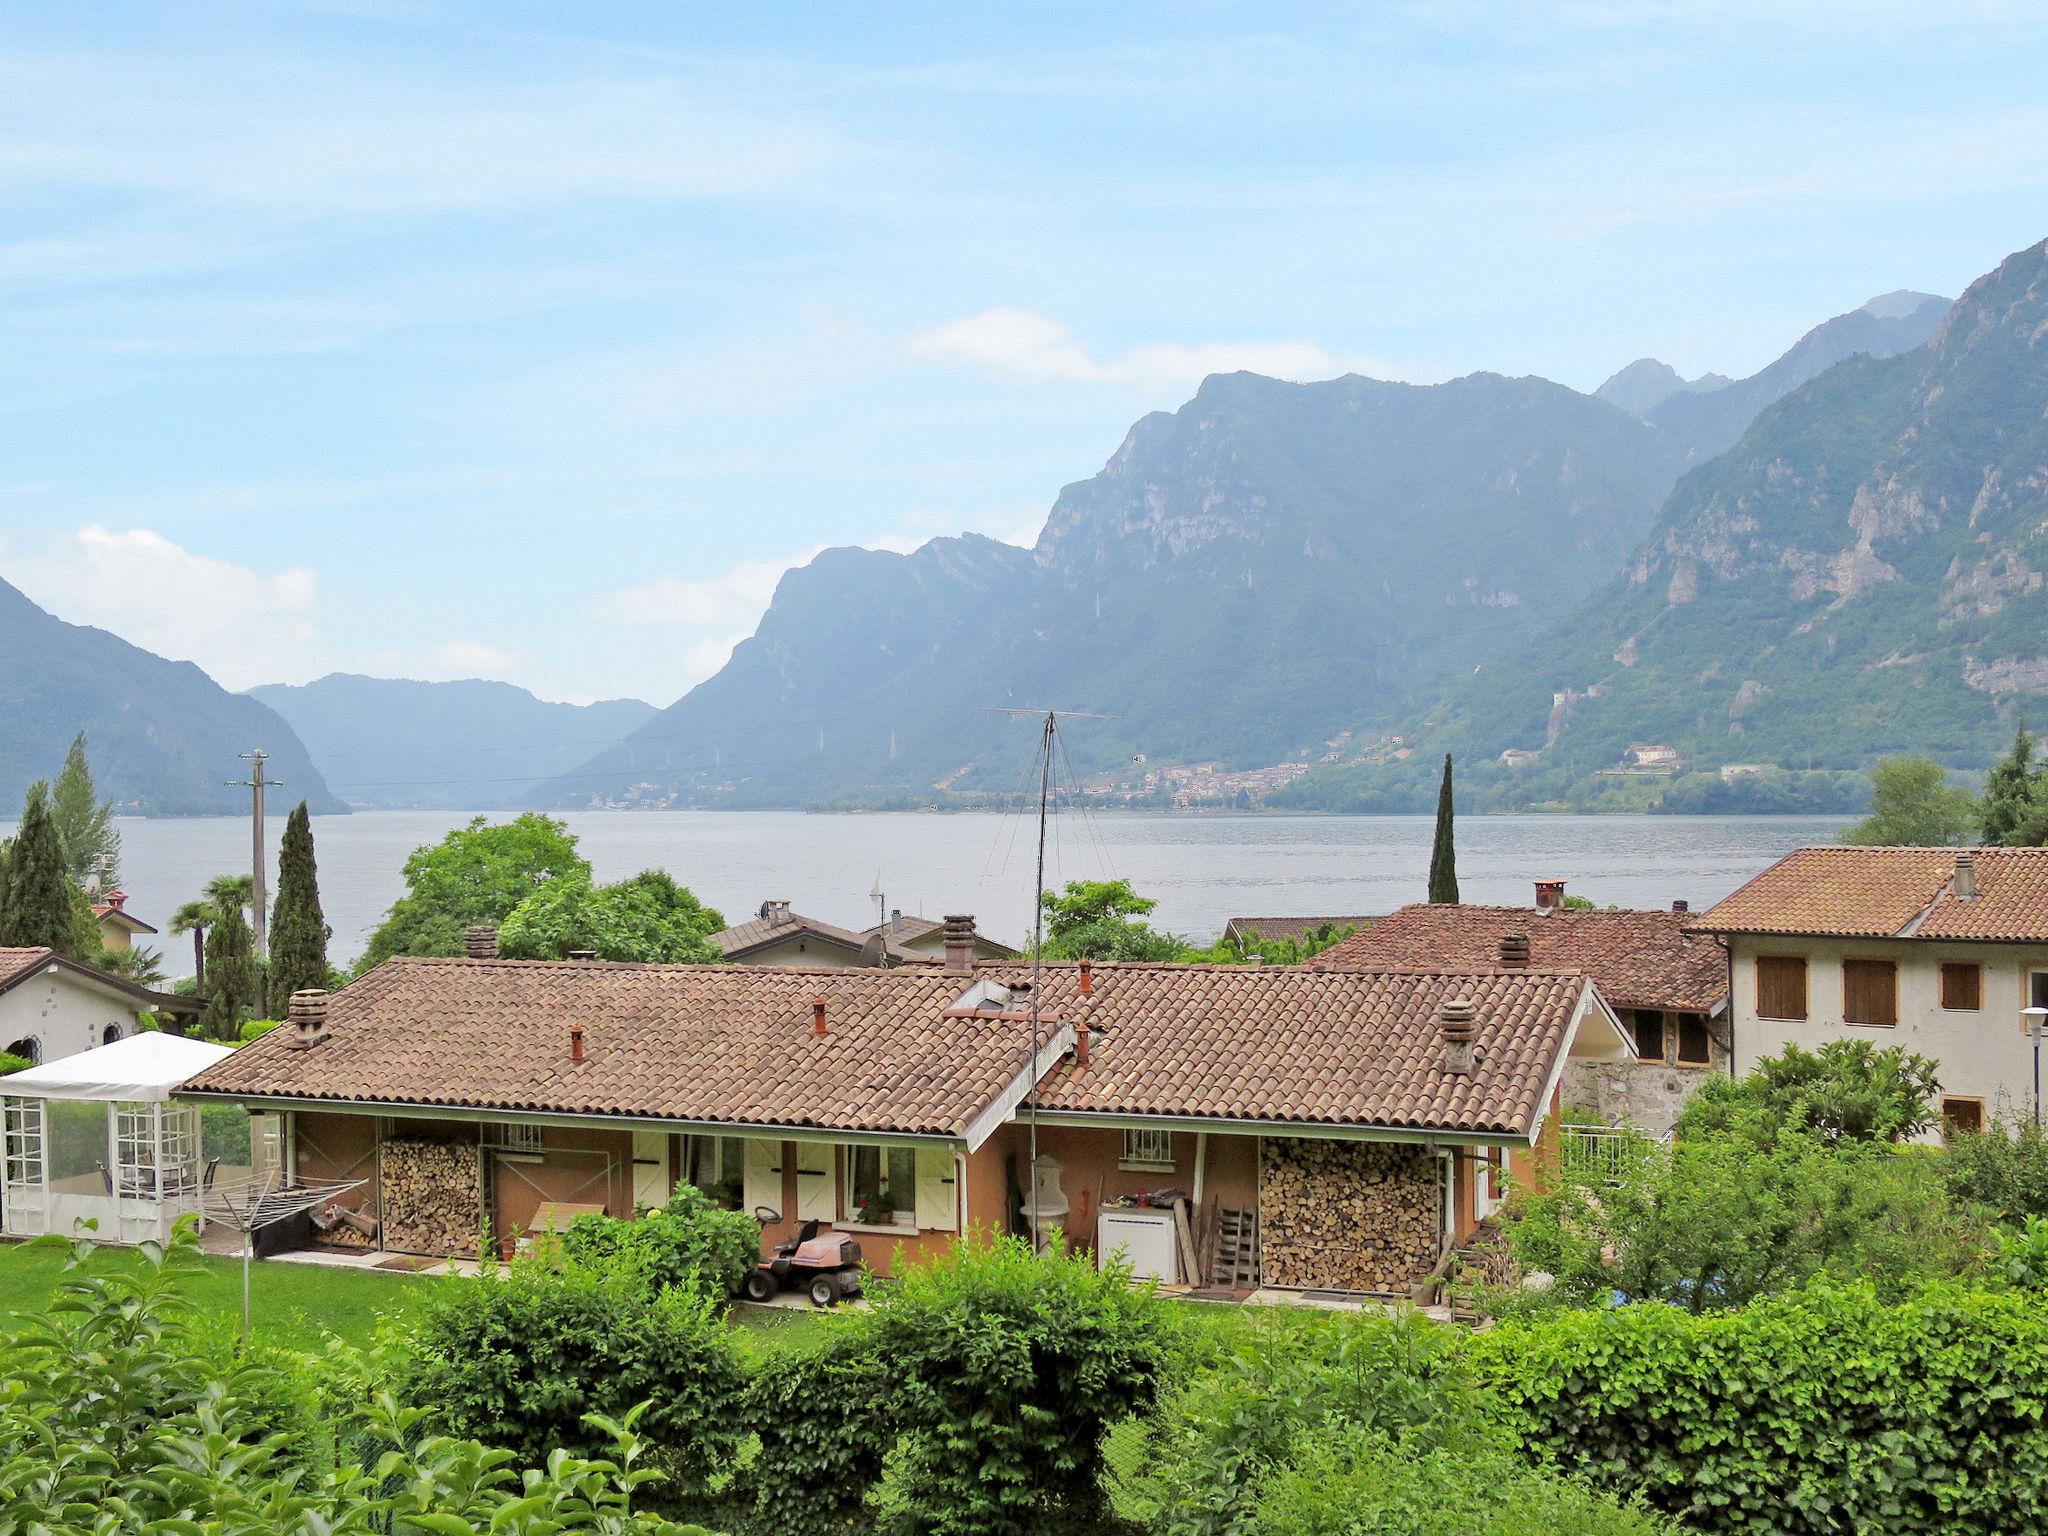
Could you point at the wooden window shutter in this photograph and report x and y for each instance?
(762, 1175)
(1781, 986)
(1870, 992)
(938, 1205)
(1962, 987)
(814, 1196)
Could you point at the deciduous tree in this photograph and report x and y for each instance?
(1912, 804)
(476, 874)
(648, 918)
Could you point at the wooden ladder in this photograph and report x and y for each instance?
(1236, 1265)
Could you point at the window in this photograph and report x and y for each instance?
(1961, 1116)
(1781, 986)
(1649, 1028)
(1962, 987)
(22, 1122)
(1695, 1046)
(881, 1186)
(714, 1162)
(1870, 992)
(1148, 1150)
(523, 1140)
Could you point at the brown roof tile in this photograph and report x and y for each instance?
(1638, 959)
(1892, 893)
(1302, 1044)
(15, 963)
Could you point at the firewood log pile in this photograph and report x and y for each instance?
(1346, 1215)
(429, 1193)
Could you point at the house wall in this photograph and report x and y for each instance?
(798, 952)
(62, 1015)
(1984, 1054)
(1348, 1215)
(577, 1165)
(1648, 1093)
(338, 1146)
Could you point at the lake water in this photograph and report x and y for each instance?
(1202, 869)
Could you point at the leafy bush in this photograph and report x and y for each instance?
(256, 1029)
(523, 1361)
(1192, 1466)
(120, 1413)
(688, 1243)
(1824, 1411)
(1354, 1482)
(1848, 1090)
(1010, 1367)
(9, 1063)
(2020, 1259)
(2002, 1168)
(824, 1413)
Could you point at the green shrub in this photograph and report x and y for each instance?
(1355, 1482)
(2003, 1168)
(256, 1029)
(824, 1412)
(1191, 1467)
(1823, 1411)
(9, 1062)
(1010, 1368)
(688, 1243)
(522, 1361)
(119, 1412)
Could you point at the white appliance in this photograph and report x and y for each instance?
(1146, 1239)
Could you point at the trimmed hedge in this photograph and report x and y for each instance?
(1825, 1411)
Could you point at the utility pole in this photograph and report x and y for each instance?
(256, 783)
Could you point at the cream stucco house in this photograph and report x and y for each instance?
(1937, 950)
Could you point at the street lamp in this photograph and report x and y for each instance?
(2034, 1016)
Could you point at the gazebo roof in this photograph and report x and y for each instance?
(144, 1067)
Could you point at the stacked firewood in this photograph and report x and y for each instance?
(1353, 1216)
(429, 1194)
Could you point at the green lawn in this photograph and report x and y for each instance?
(292, 1304)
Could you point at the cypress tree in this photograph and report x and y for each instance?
(91, 845)
(231, 980)
(1443, 854)
(298, 928)
(39, 907)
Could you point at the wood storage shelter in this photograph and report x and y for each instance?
(98, 1137)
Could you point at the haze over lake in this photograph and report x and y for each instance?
(1202, 869)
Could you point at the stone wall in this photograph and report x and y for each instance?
(1347, 1215)
(1647, 1094)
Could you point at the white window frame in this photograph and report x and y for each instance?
(1147, 1149)
(903, 1216)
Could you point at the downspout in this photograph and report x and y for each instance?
(960, 1189)
(1728, 945)
(1201, 1167)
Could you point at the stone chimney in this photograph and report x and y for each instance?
(960, 943)
(1549, 896)
(1459, 1019)
(895, 919)
(480, 942)
(1681, 907)
(776, 913)
(1514, 951)
(1966, 876)
(307, 1016)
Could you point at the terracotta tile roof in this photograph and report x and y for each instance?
(1638, 959)
(1892, 893)
(913, 930)
(742, 939)
(733, 1044)
(1301, 1044)
(17, 964)
(715, 1043)
(1288, 927)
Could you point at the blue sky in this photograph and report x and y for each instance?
(535, 341)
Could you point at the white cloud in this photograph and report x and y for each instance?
(1023, 346)
(473, 658)
(737, 594)
(242, 626)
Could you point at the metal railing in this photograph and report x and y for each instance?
(1601, 1154)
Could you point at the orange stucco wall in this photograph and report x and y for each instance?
(581, 1165)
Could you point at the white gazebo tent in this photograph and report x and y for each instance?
(98, 1137)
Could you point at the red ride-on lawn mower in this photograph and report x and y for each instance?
(827, 1269)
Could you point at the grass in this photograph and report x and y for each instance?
(292, 1304)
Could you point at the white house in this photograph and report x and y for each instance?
(1934, 949)
(52, 1007)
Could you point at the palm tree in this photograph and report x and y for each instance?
(142, 966)
(223, 892)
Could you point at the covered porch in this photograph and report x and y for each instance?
(97, 1138)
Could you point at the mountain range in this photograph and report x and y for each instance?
(164, 738)
(391, 743)
(1275, 574)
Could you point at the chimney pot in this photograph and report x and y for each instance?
(960, 943)
(895, 919)
(1549, 895)
(307, 1015)
(818, 1016)
(576, 1043)
(480, 942)
(1087, 978)
(1081, 1045)
(1514, 951)
(583, 956)
(1458, 1019)
(1681, 907)
(1966, 876)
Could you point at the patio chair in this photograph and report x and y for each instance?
(206, 1178)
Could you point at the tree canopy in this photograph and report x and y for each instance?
(39, 902)
(234, 979)
(84, 822)
(298, 928)
(1848, 1090)
(1104, 920)
(1912, 804)
(476, 874)
(648, 918)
